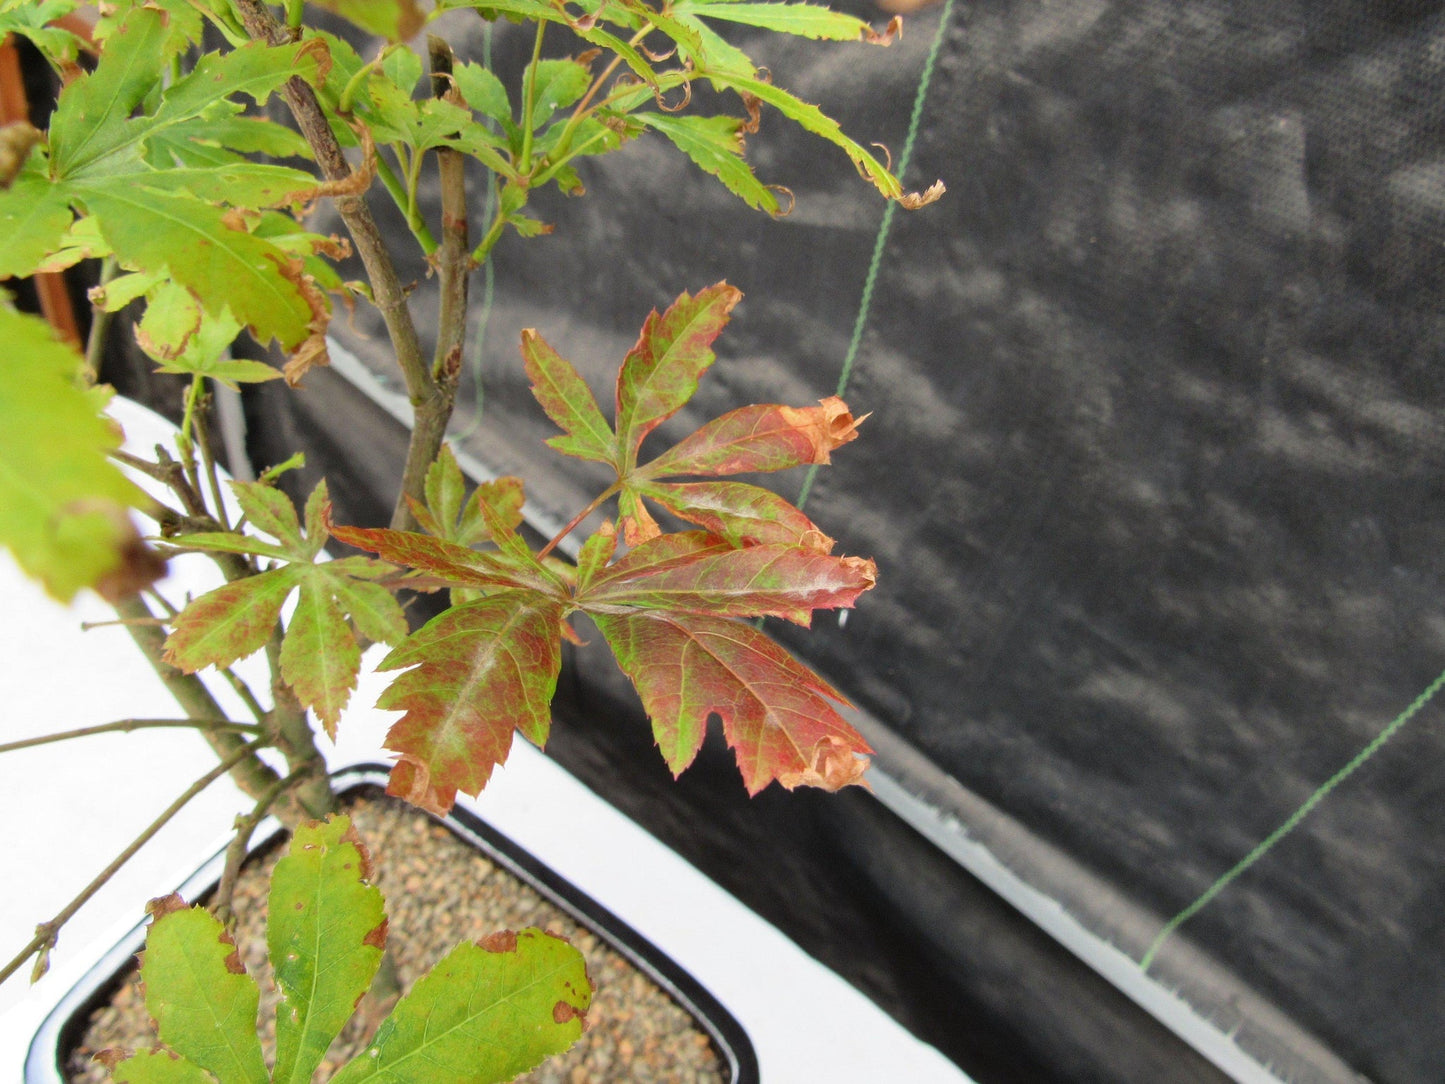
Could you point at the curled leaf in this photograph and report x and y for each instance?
(764, 437)
(911, 201)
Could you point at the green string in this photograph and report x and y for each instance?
(866, 302)
(1293, 822)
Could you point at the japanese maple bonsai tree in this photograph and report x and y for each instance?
(155, 164)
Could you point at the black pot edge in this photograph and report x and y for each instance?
(61, 1027)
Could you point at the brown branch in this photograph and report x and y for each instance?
(249, 773)
(125, 726)
(46, 933)
(241, 841)
(453, 264)
(432, 390)
(386, 289)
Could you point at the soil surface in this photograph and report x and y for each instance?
(438, 892)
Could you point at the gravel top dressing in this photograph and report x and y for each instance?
(439, 891)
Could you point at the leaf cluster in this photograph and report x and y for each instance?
(319, 655)
(159, 162)
(670, 607)
(325, 934)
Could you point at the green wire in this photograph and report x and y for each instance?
(865, 303)
(1293, 822)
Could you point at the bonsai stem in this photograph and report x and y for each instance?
(529, 99)
(431, 402)
(392, 183)
(453, 264)
(236, 849)
(125, 726)
(208, 462)
(46, 932)
(248, 770)
(99, 325)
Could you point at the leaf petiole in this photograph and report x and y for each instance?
(597, 502)
(529, 99)
(581, 112)
(397, 191)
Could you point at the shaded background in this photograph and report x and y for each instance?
(1153, 479)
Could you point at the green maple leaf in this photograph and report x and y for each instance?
(530, 987)
(395, 20)
(320, 657)
(715, 145)
(589, 26)
(487, 1012)
(803, 20)
(34, 20)
(63, 504)
(163, 183)
(451, 515)
(325, 931)
(200, 997)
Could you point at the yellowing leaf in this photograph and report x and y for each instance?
(325, 931)
(231, 622)
(223, 266)
(158, 1067)
(320, 657)
(33, 219)
(395, 20)
(63, 504)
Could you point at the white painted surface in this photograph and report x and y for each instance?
(67, 808)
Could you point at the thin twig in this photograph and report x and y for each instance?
(208, 461)
(125, 726)
(394, 188)
(241, 842)
(241, 689)
(47, 933)
(99, 325)
(87, 626)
